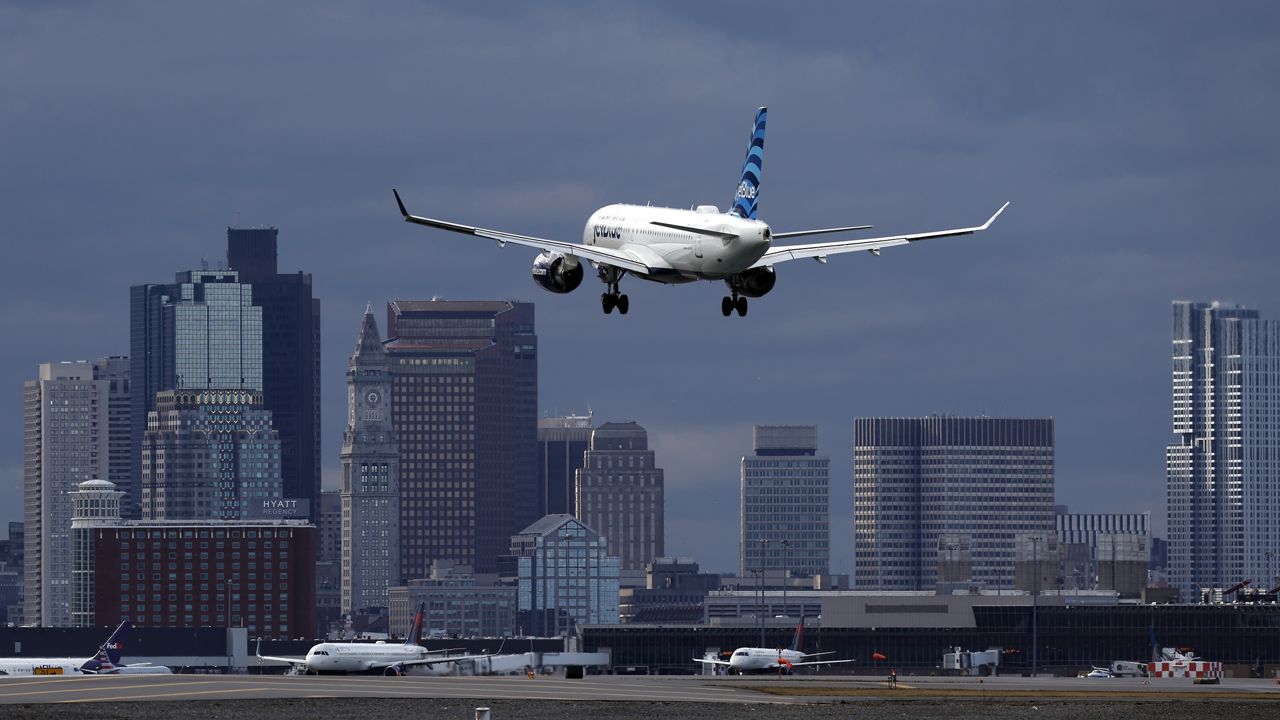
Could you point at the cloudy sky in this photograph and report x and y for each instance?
(1136, 142)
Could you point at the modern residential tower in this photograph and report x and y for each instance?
(1223, 469)
(74, 424)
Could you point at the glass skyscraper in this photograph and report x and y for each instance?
(566, 576)
(201, 332)
(1223, 470)
(921, 484)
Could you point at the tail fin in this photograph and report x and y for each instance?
(744, 202)
(415, 631)
(109, 652)
(797, 640)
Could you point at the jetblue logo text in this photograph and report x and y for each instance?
(746, 190)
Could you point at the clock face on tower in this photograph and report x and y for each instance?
(373, 397)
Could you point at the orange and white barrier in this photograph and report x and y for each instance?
(1185, 669)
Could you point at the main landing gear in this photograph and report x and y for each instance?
(734, 303)
(612, 298)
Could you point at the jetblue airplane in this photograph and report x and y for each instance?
(106, 662)
(781, 660)
(671, 246)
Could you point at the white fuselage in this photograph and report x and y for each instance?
(749, 659)
(361, 657)
(679, 255)
(41, 666)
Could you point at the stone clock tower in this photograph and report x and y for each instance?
(370, 478)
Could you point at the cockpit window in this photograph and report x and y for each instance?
(741, 653)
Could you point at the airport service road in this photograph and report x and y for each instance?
(136, 688)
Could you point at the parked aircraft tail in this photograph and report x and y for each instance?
(109, 652)
(744, 201)
(797, 640)
(415, 631)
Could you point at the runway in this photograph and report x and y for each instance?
(649, 689)
(138, 688)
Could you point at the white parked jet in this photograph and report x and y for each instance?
(106, 662)
(389, 659)
(782, 660)
(671, 246)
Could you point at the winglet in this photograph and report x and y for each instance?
(405, 213)
(985, 225)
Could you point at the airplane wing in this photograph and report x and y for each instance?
(292, 660)
(820, 251)
(427, 661)
(604, 256)
(711, 662)
(821, 662)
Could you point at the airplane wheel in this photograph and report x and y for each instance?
(623, 303)
(741, 307)
(726, 306)
(606, 302)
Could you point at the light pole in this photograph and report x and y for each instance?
(1035, 605)
(786, 573)
(764, 543)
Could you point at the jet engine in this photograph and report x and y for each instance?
(557, 273)
(754, 282)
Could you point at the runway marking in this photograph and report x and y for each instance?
(152, 696)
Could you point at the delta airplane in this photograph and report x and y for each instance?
(672, 246)
(389, 659)
(782, 660)
(106, 662)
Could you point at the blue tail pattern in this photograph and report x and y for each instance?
(744, 202)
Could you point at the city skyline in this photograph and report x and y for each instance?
(1139, 174)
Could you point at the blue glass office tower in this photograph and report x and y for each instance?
(200, 332)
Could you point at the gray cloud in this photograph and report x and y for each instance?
(1134, 140)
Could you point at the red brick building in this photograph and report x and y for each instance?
(258, 575)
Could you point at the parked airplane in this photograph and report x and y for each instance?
(671, 246)
(105, 662)
(389, 659)
(783, 660)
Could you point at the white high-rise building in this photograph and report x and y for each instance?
(785, 503)
(370, 478)
(1223, 470)
(72, 420)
